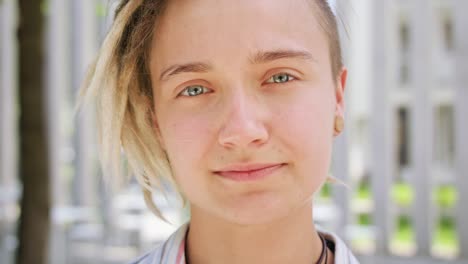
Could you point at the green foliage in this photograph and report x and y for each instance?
(45, 7)
(363, 191)
(402, 194)
(404, 233)
(325, 192)
(446, 196)
(101, 10)
(445, 235)
(364, 219)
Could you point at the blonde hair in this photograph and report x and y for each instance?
(118, 83)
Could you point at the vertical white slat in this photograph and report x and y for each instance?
(3, 151)
(84, 49)
(461, 121)
(420, 119)
(85, 182)
(8, 132)
(358, 19)
(340, 169)
(340, 193)
(58, 81)
(380, 150)
(8, 85)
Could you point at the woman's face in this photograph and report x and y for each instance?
(245, 104)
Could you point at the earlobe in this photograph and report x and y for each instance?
(338, 126)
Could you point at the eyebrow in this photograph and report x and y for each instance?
(260, 57)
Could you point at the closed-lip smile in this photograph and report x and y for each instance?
(248, 171)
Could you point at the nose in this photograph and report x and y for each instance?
(243, 126)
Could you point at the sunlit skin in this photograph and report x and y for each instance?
(259, 90)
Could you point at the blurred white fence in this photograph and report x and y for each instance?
(92, 225)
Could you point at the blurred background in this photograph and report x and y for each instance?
(404, 153)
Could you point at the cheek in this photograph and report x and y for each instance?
(187, 139)
(307, 122)
(306, 128)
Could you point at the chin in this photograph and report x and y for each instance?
(248, 220)
(258, 213)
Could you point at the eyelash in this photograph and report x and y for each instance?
(291, 77)
(185, 92)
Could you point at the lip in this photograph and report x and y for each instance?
(249, 172)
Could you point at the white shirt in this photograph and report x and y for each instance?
(172, 251)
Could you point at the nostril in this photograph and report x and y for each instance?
(243, 135)
(244, 124)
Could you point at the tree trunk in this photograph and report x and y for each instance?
(34, 224)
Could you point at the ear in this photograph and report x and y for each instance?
(339, 93)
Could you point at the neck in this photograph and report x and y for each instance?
(292, 239)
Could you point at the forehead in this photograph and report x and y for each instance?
(224, 29)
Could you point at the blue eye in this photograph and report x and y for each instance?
(280, 78)
(194, 90)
